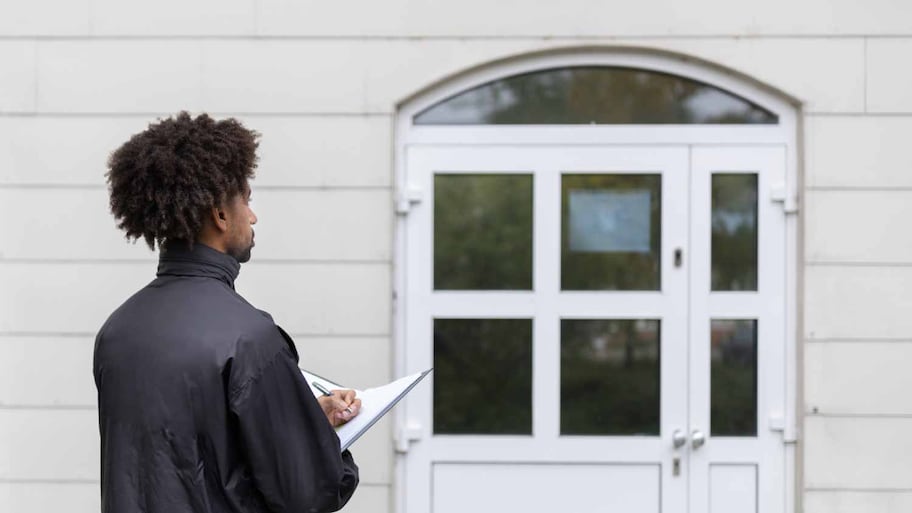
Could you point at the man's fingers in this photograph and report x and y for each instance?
(347, 395)
(345, 405)
(349, 411)
(340, 405)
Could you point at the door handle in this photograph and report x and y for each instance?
(678, 438)
(697, 439)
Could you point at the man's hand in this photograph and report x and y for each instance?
(340, 407)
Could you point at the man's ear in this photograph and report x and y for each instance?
(219, 218)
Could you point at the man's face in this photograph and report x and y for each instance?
(240, 227)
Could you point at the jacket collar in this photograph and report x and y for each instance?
(177, 259)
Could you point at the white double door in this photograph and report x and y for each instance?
(606, 326)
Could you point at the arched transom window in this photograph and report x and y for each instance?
(599, 95)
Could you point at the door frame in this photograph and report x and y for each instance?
(785, 133)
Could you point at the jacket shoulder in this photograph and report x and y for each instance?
(259, 343)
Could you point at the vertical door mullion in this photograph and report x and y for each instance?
(546, 285)
(771, 367)
(674, 335)
(418, 406)
(699, 347)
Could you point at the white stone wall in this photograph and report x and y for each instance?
(858, 279)
(321, 81)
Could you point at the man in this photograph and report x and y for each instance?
(202, 407)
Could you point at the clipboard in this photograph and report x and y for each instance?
(375, 402)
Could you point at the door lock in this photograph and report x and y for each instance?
(678, 257)
(678, 439)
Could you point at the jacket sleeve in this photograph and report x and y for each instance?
(294, 453)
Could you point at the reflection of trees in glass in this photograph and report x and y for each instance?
(733, 378)
(595, 95)
(613, 270)
(734, 231)
(482, 232)
(482, 376)
(610, 377)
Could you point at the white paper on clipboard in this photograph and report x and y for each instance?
(375, 402)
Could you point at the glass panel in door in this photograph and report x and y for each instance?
(734, 231)
(611, 231)
(482, 232)
(610, 377)
(733, 377)
(470, 356)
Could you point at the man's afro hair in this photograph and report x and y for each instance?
(163, 181)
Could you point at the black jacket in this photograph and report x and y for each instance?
(201, 405)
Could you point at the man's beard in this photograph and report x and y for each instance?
(242, 254)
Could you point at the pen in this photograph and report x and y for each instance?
(321, 388)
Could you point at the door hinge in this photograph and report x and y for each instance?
(405, 199)
(410, 432)
(777, 424)
(780, 194)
